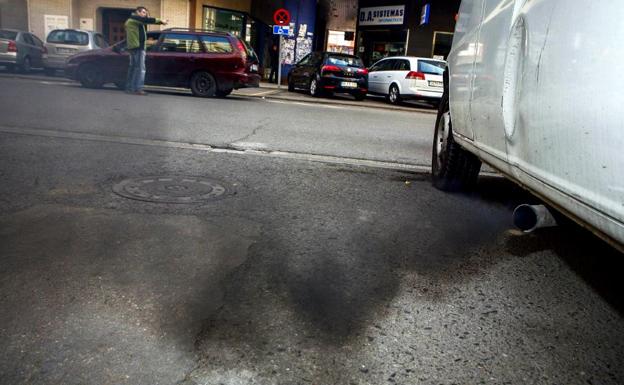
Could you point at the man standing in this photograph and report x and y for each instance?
(274, 63)
(135, 44)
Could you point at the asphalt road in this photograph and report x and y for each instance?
(235, 122)
(302, 272)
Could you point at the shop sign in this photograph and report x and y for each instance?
(388, 15)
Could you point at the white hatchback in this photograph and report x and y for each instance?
(406, 77)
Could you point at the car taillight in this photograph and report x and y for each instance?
(330, 68)
(242, 49)
(415, 75)
(12, 46)
(362, 71)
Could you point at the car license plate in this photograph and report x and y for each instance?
(348, 84)
(254, 68)
(435, 84)
(65, 50)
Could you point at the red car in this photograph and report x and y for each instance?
(209, 63)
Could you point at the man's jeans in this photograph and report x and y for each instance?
(136, 70)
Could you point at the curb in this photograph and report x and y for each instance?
(278, 94)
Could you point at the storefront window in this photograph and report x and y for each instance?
(382, 50)
(225, 21)
(336, 42)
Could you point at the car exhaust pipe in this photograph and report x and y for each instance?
(528, 218)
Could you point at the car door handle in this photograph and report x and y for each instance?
(389, 76)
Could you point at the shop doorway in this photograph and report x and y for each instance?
(113, 20)
(442, 42)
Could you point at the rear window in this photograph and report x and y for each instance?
(60, 36)
(216, 44)
(11, 35)
(431, 67)
(250, 51)
(344, 60)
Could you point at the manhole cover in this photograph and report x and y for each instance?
(165, 189)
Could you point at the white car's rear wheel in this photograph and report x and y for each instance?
(394, 96)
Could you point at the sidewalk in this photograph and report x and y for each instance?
(271, 91)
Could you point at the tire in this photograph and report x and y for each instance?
(25, 67)
(291, 86)
(452, 167)
(203, 84)
(49, 71)
(90, 76)
(223, 93)
(360, 96)
(394, 96)
(314, 87)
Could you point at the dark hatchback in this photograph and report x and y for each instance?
(323, 73)
(209, 63)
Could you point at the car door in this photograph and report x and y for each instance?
(374, 76)
(387, 75)
(461, 61)
(41, 47)
(399, 73)
(172, 61)
(34, 53)
(219, 58)
(298, 72)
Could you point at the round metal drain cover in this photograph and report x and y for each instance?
(174, 189)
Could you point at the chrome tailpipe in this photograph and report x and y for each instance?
(528, 218)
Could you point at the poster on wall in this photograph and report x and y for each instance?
(304, 42)
(52, 22)
(388, 15)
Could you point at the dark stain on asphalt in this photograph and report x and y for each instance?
(318, 280)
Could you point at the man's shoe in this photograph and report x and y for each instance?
(142, 93)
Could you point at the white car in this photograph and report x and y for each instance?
(406, 77)
(522, 94)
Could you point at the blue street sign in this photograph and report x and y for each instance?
(280, 30)
(424, 14)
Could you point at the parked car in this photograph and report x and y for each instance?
(209, 63)
(509, 101)
(63, 43)
(323, 73)
(406, 77)
(21, 50)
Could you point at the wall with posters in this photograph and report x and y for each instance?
(301, 41)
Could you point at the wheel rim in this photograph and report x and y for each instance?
(91, 75)
(442, 138)
(203, 84)
(313, 87)
(393, 94)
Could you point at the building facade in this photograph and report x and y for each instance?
(414, 28)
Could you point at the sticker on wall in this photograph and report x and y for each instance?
(52, 22)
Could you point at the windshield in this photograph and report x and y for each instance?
(11, 35)
(345, 60)
(432, 67)
(68, 37)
